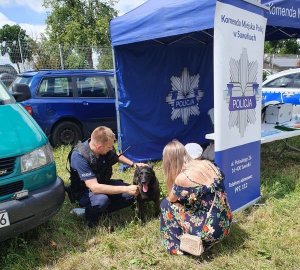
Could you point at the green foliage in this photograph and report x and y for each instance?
(46, 53)
(76, 60)
(80, 23)
(288, 46)
(11, 36)
(105, 59)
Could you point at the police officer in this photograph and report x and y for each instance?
(91, 162)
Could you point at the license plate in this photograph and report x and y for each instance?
(4, 219)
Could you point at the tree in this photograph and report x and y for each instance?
(45, 54)
(288, 46)
(11, 36)
(105, 59)
(76, 60)
(83, 23)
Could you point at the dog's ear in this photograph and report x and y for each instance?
(151, 165)
(137, 170)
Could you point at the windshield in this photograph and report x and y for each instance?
(5, 97)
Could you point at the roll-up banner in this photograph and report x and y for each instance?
(238, 62)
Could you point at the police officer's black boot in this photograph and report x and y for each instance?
(92, 216)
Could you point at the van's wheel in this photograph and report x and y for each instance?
(66, 133)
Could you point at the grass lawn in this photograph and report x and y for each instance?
(262, 237)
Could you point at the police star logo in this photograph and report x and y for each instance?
(184, 96)
(242, 92)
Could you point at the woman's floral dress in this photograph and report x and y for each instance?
(188, 215)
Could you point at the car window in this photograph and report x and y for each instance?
(296, 82)
(284, 81)
(112, 82)
(55, 87)
(92, 86)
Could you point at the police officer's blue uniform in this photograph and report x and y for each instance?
(88, 166)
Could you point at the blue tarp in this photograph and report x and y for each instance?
(160, 48)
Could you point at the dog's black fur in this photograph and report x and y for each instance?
(145, 178)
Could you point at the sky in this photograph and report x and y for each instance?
(31, 15)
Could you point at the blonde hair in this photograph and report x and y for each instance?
(174, 157)
(101, 135)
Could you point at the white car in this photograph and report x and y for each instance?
(282, 87)
(266, 73)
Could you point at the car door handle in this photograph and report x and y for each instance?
(85, 103)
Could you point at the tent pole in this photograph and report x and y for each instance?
(279, 29)
(156, 40)
(117, 102)
(210, 35)
(188, 36)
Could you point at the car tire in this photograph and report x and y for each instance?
(65, 133)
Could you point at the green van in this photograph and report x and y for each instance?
(30, 191)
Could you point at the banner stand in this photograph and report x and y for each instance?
(239, 34)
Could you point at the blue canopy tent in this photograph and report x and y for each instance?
(163, 49)
(283, 19)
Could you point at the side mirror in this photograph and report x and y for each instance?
(21, 92)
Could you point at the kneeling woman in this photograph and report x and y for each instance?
(193, 186)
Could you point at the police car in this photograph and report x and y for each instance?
(282, 87)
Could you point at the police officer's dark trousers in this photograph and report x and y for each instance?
(102, 203)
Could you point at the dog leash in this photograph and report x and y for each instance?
(122, 153)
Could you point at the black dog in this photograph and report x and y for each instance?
(145, 178)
